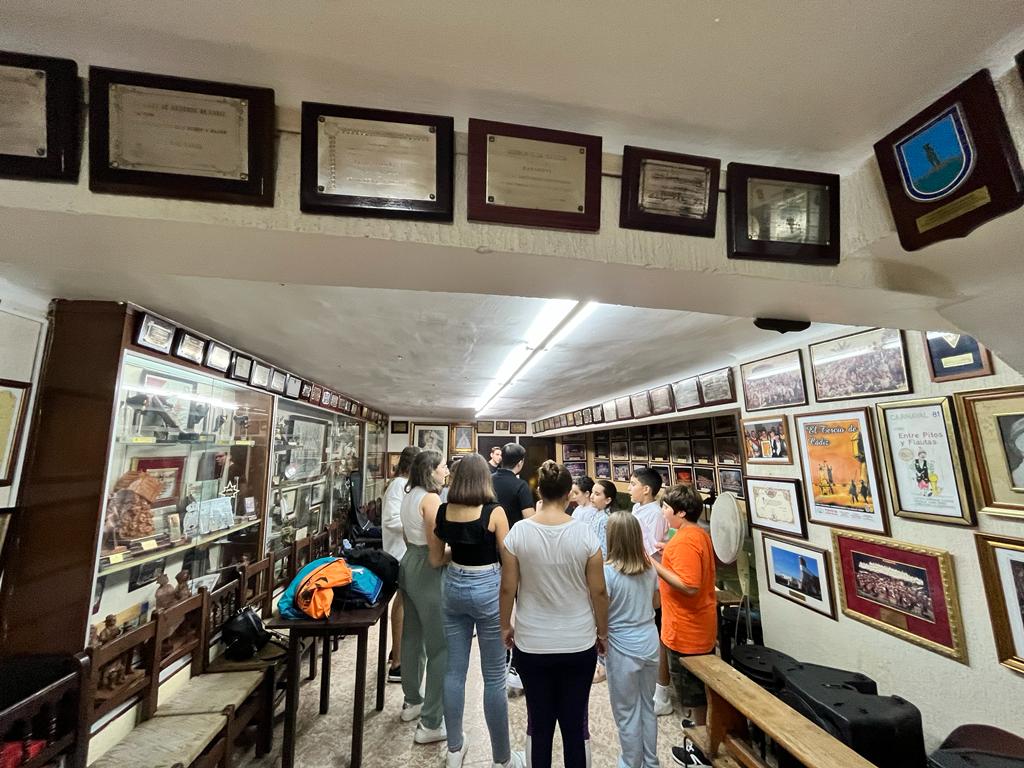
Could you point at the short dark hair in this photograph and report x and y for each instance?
(553, 481)
(421, 474)
(584, 483)
(685, 498)
(649, 477)
(494, 448)
(405, 460)
(471, 484)
(512, 454)
(609, 490)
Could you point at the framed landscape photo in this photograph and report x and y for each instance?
(993, 435)
(431, 437)
(954, 356)
(669, 192)
(926, 474)
(776, 504)
(14, 397)
(907, 590)
(774, 382)
(799, 573)
(686, 394)
(766, 440)
(1002, 569)
(716, 387)
(840, 470)
(865, 364)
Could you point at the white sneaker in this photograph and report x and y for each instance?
(514, 682)
(430, 735)
(411, 712)
(662, 707)
(456, 759)
(518, 760)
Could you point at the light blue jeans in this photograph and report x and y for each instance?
(469, 599)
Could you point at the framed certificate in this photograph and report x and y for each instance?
(533, 177)
(373, 162)
(156, 334)
(161, 136)
(40, 128)
(667, 192)
(190, 347)
(217, 357)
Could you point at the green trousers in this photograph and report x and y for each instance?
(423, 640)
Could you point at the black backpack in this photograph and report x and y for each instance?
(244, 635)
(383, 565)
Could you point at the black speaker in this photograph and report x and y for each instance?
(758, 663)
(971, 758)
(829, 677)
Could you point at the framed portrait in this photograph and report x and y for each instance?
(954, 356)
(621, 471)
(716, 387)
(399, 427)
(517, 427)
(576, 468)
(994, 443)
(680, 450)
(669, 192)
(865, 364)
(704, 479)
(926, 474)
(619, 450)
(774, 382)
(658, 431)
(431, 437)
(638, 449)
(658, 450)
(679, 429)
(463, 438)
(700, 427)
(686, 394)
(168, 470)
(1002, 569)
(13, 407)
(624, 408)
(799, 573)
(776, 504)
(664, 472)
(641, 402)
(601, 450)
(502, 426)
(703, 451)
(727, 449)
(766, 440)
(907, 590)
(485, 427)
(730, 480)
(602, 469)
(574, 452)
(661, 400)
(840, 470)
(682, 475)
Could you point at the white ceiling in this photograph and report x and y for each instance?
(814, 82)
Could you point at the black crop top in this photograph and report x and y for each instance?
(471, 542)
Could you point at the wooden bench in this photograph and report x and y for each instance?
(734, 701)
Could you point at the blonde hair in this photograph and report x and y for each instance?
(626, 551)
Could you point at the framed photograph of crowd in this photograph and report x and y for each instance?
(620, 471)
(774, 382)
(574, 452)
(865, 364)
(776, 504)
(840, 470)
(686, 393)
(766, 440)
(926, 474)
(704, 479)
(576, 468)
(602, 469)
(907, 590)
(1002, 568)
(799, 573)
(994, 441)
(682, 475)
(431, 437)
(716, 387)
(953, 356)
(730, 480)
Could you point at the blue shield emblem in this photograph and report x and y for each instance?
(937, 158)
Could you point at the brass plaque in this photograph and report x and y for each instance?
(22, 112)
(892, 618)
(673, 189)
(539, 175)
(787, 212)
(969, 202)
(373, 158)
(166, 131)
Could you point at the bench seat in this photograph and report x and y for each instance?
(211, 694)
(166, 742)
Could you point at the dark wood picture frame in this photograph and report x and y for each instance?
(730, 398)
(241, 367)
(988, 183)
(799, 528)
(677, 387)
(828, 398)
(517, 427)
(774, 404)
(641, 404)
(739, 243)
(399, 427)
(632, 214)
(477, 206)
(982, 366)
(257, 188)
(664, 395)
(61, 158)
(312, 199)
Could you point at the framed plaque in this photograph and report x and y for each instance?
(951, 167)
(686, 394)
(259, 375)
(588, 416)
(780, 214)
(610, 411)
(667, 192)
(218, 357)
(533, 177)
(40, 127)
(189, 347)
(373, 162)
(953, 356)
(162, 136)
(315, 393)
(517, 427)
(336, 398)
(307, 389)
(641, 402)
(241, 367)
(624, 408)
(777, 504)
(597, 411)
(661, 400)
(155, 334)
(278, 380)
(716, 387)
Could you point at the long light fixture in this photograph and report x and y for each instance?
(553, 324)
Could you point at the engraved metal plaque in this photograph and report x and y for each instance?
(673, 189)
(372, 158)
(539, 175)
(787, 211)
(22, 112)
(167, 131)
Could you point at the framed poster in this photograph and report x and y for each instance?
(907, 590)
(1002, 569)
(727, 449)
(661, 400)
(683, 475)
(602, 469)
(431, 437)
(730, 480)
(799, 573)
(169, 471)
(840, 470)
(680, 450)
(704, 479)
(621, 471)
(865, 364)
(994, 443)
(926, 473)
(716, 387)
(620, 450)
(13, 407)
(776, 504)
(766, 440)
(954, 356)
(463, 438)
(517, 427)
(669, 192)
(774, 382)
(686, 394)
(574, 452)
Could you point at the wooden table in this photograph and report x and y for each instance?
(356, 622)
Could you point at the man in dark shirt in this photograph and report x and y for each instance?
(494, 462)
(513, 493)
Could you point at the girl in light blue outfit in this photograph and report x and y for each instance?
(587, 511)
(633, 642)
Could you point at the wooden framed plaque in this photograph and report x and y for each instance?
(781, 214)
(686, 394)
(716, 387)
(533, 177)
(641, 402)
(955, 356)
(162, 136)
(668, 192)
(375, 162)
(40, 131)
(610, 411)
(951, 167)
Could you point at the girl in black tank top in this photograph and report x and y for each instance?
(471, 542)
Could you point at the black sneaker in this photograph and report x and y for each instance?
(687, 723)
(395, 675)
(689, 754)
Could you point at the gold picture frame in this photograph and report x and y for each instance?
(996, 571)
(463, 438)
(991, 418)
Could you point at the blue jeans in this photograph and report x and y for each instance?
(469, 599)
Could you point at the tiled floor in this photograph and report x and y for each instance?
(324, 741)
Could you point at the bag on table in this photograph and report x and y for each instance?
(311, 592)
(363, 592)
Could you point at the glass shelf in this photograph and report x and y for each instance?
(157, 554)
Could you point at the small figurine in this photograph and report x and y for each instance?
(183, 592)
(166, 595)
(110, 630)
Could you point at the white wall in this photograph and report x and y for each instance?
(947, 693)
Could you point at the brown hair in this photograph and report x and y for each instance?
(471, 484)
(626, 552)
(610, 491)
(684, 498)
(409, 453)
(421, 474)
(553, 481)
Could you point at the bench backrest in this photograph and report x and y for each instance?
(179, 632)
(321, 544)
(283, 566)
(303, 554)
(122, 669)
(256, 585)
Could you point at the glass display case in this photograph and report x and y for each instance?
(376, 455)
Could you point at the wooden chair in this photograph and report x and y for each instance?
(321, 544)
(303, 554)
(257, 587)
(283, 566)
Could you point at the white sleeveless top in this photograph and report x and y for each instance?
(412, 521)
